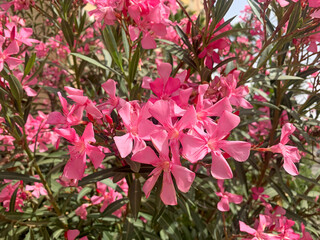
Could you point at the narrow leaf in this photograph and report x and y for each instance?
(135, 197)
(95, 62)
(18, 176)
(114, 207)
(13, 200)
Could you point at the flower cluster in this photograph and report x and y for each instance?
(104, 100)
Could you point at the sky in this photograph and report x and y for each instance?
(236, 7)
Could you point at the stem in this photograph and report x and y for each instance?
(275, 123)
(45, 184)
(75, 66)
(42, 178)
(309, 189)
(245, 76)
(224, 226)
(186, 13)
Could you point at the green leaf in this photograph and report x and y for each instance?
(67, 32)
(114, 207)
(150, 235)
(308, 72)
(255, 6)
(265, 55)
(294, 19)
(226, 61)
(13, 200)
(111, 45)
(241, 174)
(110, 183)
(36, 73)
(133, 65)
(284, 186)
(97, 176)
(310, 180)
(125, 42)
(18, 215)
(30, 235)
(184, 37)
(266, 104)
(128, 230)
(17, 119)
(282, 77)
(83, 193)
(279, 191)
(15, 88)
(135, 197)
(224, 24)
(180, 53)
(18, 176)
(96, 63)
(227, 33)
(169, 226)
(29, 64)
(57, 233)
(134, 166)
(220, 10)
(106, 173)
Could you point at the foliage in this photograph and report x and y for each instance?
(138, 120)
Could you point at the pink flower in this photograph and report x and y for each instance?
(82, 101)
(82, 211)
(151, 18)
(75, 167)
(138, 128)
(70, 117)
(258, 233)
(257, 194)
(235, 94)
(106, 10)
(5, 55)
(66, 182)
(23, 36)
(199, 143)
(6, 194)
(37, 189)
(114, 101)
(161, 111)
(72, 234)
(226, 198)
(314, 3)
(210, 52)
(290, 154)
(305, 235)
(183, 176)
(164, 86)
(106, 196)
(205, 109)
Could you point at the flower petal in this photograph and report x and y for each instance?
(245, 228)
(148, 42)
(220, 168)
(183, 176)
(164, 70)
(286, 131)
(223, 205)
(95, 154)
(239, 150)
(168, 193)
(88, 134)
(147, 156)
(194, 148)
(149, 184)
(124, 144)
(226, 123)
